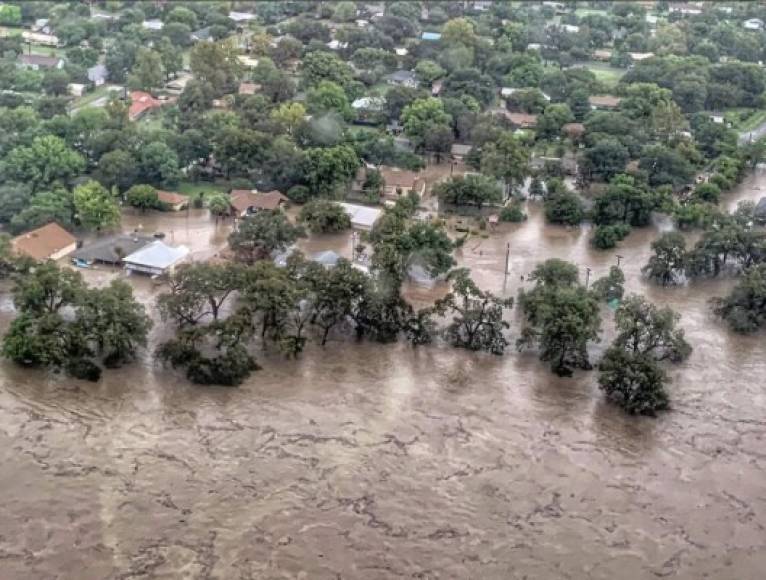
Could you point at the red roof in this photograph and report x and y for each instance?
(140, 103)
(244, 199)
(171, 197)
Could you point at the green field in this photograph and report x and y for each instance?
(605, 73)
(745, 119)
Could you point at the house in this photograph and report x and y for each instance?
(431, 36)
(153, 24)
(573, 130)
(570, 28)
(398, 182)
(362, 23)
(98, 74)
(247, 61)
(202, 35)
(76, 89)
(246, 202)
(602, 55)
(327, 258)
(716, 117)
(460, 151)
(172, 201)
(651, 19)
(759, 214)
(518, 120)
(39, 38)
(362, 217)
(155, 259)
(49, 242)
(371, 104)
(436, 88)
(509, 91)
(141, 103)
(604, 102)
(401, 51)
(110, 250)
(38, 62)
(753, 24)
(241, 16)
(249, 88)
(559, 7)
(402, 78)
(639, 56)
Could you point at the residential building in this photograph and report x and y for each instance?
(153, 24)
(604, 102)
(460, 151)
(362, 217)
(249, 88)
(110, 250)
(241, 16)
(602, 55)
(141, 103)
(685, 9)
(431, 36)
(760, 211)
(39, 62)
(155, 259)
(400, 182)
(76, 89)
(401, 51)
(173, 201)
(41, 25)
(247, 61)
(639, 56)
(202, 35)
(570, 28)
(436, 88)
(246, 202)
(753, 24)
(49, 242)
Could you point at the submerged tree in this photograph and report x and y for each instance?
(630, 373)
(611, 286)
(477, 322)
(744, 309)
(259, 235)
(561, 317)
(669, 259)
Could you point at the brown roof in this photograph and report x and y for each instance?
(40, 60)
(398, 178)
(604, 100)
(573, 128)
(244, 199)
(43, 242)
(522, 119)
(604, 54)
(171, 197)
(249, 88)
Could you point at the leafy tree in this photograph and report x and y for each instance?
(668, 260)
(554, 117)
(289, 115)
(422, 116)
(46, 289)
(744, 309)
(216, 64)
(477, 190)
(113, 321)
(323, 66)
(506, 159)
(147, 72)
(39, 340)
(564, 208)
(143, 197)
(45, 160)
(56, 82)
(159, 164)
(478, 322)
(257, 236)
(198, 291)
(458, 31)
(328, 97)
(665, 166)
(45, 207)
(635, 382)
(605, 159)
(323, 169)
(606, 237)
(324, 216)
(96, 208)
(561, 317)
(117, 169)
(625, 201)
(428, 71)
(218, 204)
(611, 286)
(470, 82)
(345, 11)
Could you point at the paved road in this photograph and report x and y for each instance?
(757, 133)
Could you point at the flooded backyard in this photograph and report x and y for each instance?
(381, 461)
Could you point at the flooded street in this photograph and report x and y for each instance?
(381, 461)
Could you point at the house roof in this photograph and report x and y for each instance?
(202, 34)
(362, 216)
(431, 36)
(157, 255)
(40, 60)
(249, 88)
(461, 149)
(602, 53)
(327, 258)
(522, 119)
(140, 103)
(241, 16)
(43, 242)
(369, 103)
(106, 249)
(760, 208)
(604, 100)
(395, 177)
(244, 199)
(171, 197)
(402, 76)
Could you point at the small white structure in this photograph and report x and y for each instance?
(508, 91)
(336, 45)
(369, 104)
(753, 24)
(155, 259)
(153, 24)
(76, 89)
(362, 217)
(247, 61)
(639, 56)
(241, 16)
(570, 28)
(401, 51)
(98, 74)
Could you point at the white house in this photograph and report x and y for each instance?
(155, 259)
(362, 217)
(98, 74)
(241, 16)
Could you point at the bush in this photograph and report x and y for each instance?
(299, 193)
(707, 192)
(228, 369)
(324, 216)
(720, 180)
(512, 213)
(84, 370)
(606, 237)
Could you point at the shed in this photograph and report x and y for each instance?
(49, 242)
(155, 259)
(362, 217)
(98, 74)
(327, 258)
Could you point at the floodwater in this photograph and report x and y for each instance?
(380, 461)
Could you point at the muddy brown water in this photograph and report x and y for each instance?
(377, 462)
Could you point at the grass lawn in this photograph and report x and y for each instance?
(41, 50)
(204, 187)
(88, 98)
(605, 73)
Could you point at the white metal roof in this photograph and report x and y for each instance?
(362, 216)
(157, 255)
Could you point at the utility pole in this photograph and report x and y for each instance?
(619, 259)
(587, 276)
(507, 258)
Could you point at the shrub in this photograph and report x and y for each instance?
(606, 237)
(299, 193)
(512, 213)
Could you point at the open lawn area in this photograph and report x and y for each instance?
(745, 119)
(605, 73)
